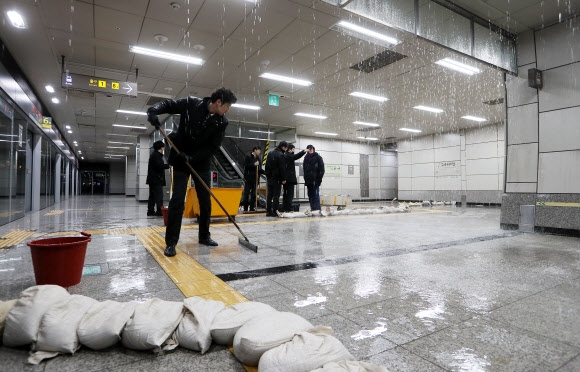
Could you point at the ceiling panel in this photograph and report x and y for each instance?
(119, 27)
(73, 18)
(136, 7)
(163, 11)
(221, 17)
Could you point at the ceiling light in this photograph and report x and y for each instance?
(55, 100)
(76, 144)
(122, 143)
(367, 124)
(369, 96)
(246, 106)
(16, 19)
(117, 147)
(70, 131)
(310, 115)
(67, 126)
(129, 126)
(49, 88)
(457, 66)
(327, 134)
(79, 151)
(259, 131)
(430, 109)
(365, 31)
(82, 157)
(474, 118)
(123, 135)
(410, 130)
(369, 138)
(165, 55)
(132, 112)
(285, 79)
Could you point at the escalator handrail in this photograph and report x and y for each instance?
(233, 163)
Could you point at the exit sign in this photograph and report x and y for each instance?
(273, 100)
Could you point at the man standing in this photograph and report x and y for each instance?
(251, 164)
(291, 181)
(201, 130)
(156, 179)
(276, 173)
(313, 173)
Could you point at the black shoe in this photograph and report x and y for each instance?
(252, 209)
(208, 241)
(150, 213)
(170, 251)
(159, 214)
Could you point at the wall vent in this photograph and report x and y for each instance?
(378, 61)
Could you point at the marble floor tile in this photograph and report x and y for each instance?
(256, 288)
(399, 359)
(297, 304)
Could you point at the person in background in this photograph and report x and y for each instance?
(276, 173)
(202, 127)
(251, 164)
(156, 179)
(291, 181)
(313, 172)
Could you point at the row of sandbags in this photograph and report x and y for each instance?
(329, 211)
(53, 322)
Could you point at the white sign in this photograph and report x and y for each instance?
(332, 170)
(448, 168)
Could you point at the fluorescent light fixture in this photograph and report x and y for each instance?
(49, 88)
(70, 131)
(367, 32)
(310, 115)
(410, 130)
(82, 157)
(115, 155)
(79, 151)
(129, 126)
(457, 66)
(238, 105)
(8, 135)
(67, 126)
(132, 112)
(165, 55)
(259, 131)
(117, 147)
(55, 100)
(16, 19)
(286, 79)
(369, 138)
(474, 118)
(327, 134)
(76, 144)
(367, 124)
(123, 135)
(122, 143)
(369, 96)
(430, 109)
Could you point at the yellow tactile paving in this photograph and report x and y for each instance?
(14, 237)
(54, 212)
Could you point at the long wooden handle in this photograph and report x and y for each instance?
(256, 188)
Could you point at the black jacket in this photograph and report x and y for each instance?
(199, 135)
(156, 169)
(313, 168)
(250, 168)
(276, 165)
(290, 167)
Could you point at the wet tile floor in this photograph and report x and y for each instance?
(439, 288)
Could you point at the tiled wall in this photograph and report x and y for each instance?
(130, 175)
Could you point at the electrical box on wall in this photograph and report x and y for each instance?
(535, 78)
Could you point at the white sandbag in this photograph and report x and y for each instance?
(306, 351)
(5, 307)
(351, 366)
(266, 332)
(228, 321)
(24, 318)
(102, 325)
(152, 323)
(194, 330)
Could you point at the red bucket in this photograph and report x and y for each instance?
(164, 211)
(60, 260)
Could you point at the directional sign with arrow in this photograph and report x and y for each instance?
(98, 85)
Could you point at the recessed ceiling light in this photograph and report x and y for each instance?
(76, 144)
(122, 143)
(165, 55)
(458, 66)
(129, 126)
(132, 112)
(367, 124)
(79, 151)
(67, 126)
(286, 79)
(82, 157)
(410, 130)
(366, 32)
(70, 131)
(49, 88)
(369, 138)
(327, 134)
(474, 118)
(369, 96)
(430, 109)
(55, 100)
(310, 115)
(238, 105)
(117, 147)
(16, 19)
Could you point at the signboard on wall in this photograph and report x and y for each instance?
(98, 84)
(332, 170)
(448, 168)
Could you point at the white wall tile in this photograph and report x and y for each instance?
(423, 183)
(448, 183)
(373, 160)
(501, 165)
(406, 170)
(447, 154)
(559, 172)
(481, 150)
(482, 182)
(423, 143)
(349, 159)
(501, 132)
(405, 195)
(523, 124)
(388, 183)
(405, 146)
(482, 166)
(446, 140)
(423, 170)
(561, 88)
(423, 156)
(558, 45)
(560, 130)
(501, 149)
(347, 183)
(518, 91)
(405, 183)
(501, 181)
(405, 158)
(526, 49)
(352, 147)
(522, 163)
(389, 172)
(481, 135)
(521, 187)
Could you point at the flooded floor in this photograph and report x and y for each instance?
(434, 289)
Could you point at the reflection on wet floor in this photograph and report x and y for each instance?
(439, 288)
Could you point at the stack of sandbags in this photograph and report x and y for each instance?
(350, 366)
(5, 307)
(227, 322)
(103, 323)
(194, 331)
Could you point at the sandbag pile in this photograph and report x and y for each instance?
(54, 322)
(329, 211)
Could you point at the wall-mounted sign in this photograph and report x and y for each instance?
(46, 122)
(448, 168)
(273, 99)
(332, 170)
(98, 85)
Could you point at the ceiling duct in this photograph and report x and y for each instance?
(378, 61)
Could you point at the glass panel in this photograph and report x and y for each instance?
(86, 183)
(6, 173)
(494, 48)
(44, 172)
(18, 202)
(63, 164)
(99, 182)
(445, 27)
(51, 185)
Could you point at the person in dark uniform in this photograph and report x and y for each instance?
(251, 163)
(291, 181)
(156, 179)
(201, 130)
(276, 173)
(313, 172)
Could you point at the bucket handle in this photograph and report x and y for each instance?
(85, 234)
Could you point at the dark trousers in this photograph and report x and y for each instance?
(177, 203)
(273, 190)
(155, 197)
(249, 194)
(313, 196)
(288, 196)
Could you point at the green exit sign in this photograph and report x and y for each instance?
(273, 100)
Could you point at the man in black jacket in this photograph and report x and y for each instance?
(276, 173)
(201, 130)
(251, 164)
(291, 181)
(156, 179)
(313, 172)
